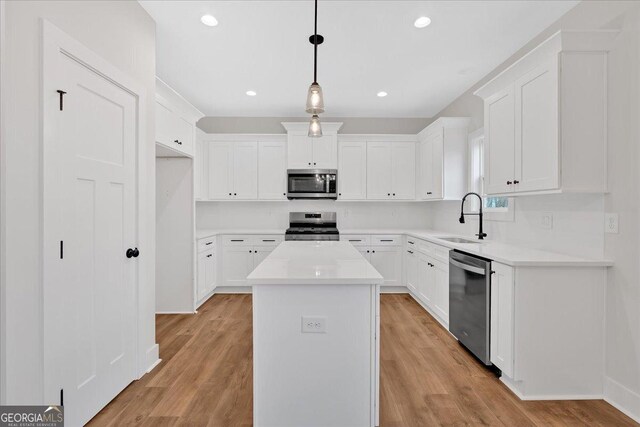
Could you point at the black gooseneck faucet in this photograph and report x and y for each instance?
(481, 235)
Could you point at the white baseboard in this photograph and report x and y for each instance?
(623, 399)
(394, 290)
(152, 359)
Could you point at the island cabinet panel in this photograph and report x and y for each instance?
(545, 118)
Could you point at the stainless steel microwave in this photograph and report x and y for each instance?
(312, 184)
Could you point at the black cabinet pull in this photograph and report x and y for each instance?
(208, 243)
(339, 194)
(355, 240)
(410, 242)
(386, 240)
(229, 193)
(516, 182)
(367, 251)
(284, 194)
(373, 252)
(509, 182)
(309, 163)
(388, 194)
(255, 252)
(429, 192)
(394, 194)
(132, 253)
(268, 240)
(410, 252)
(237, 240)
(249, 251)
(235, 194)
(209, 256)
(314, 163)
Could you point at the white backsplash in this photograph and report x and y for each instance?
(351, 215)
(578, 223)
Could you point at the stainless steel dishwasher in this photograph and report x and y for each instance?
(470, 302)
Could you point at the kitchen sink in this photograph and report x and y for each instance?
(459, 240)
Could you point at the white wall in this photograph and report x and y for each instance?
(123, 34)
(578, 219)
(275, 215)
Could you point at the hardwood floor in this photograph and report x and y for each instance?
(427, 379)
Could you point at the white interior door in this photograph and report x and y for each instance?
(91, 198)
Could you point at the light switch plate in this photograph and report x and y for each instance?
(611, 223)
(314, 325)
(546, 220)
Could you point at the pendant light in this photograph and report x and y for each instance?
(315, 99)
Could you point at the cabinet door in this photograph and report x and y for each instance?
(185, 132)
(237, 263)
(245, 170)
(352, 171)
(437, 164)
(220, 170)
(210, 272)
(199, 164)
(366, 253)
(502, 310)
(325, 152)
(403, 175)
(299, 152)
(411, 260)
(378, 170)
(426, 283)
(536, 124)
(441, 281)
(388, 261)
(260, 253)
(201, 280)
(164, 121)
(272, 171)
(499, 145)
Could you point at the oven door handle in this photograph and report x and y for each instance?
(468, 267)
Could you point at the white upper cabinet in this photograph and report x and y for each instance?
(272, 170)
(352, 170)
(545, 118)
(304, 152)
(442, 159)
(391, 170)
(175, 122)
(233, 170)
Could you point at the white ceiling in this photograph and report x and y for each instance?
(369, 46)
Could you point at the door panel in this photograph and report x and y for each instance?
(352, 172)
(502, 327)
(220, 170)
(378, 171)
(325, 152)
(299, 152)
(237, 264)
(536, 144)
(441, 280)
(412, 270)
(96, 325)
(403, 178)
(272, 171)
(426, 281)
(245, 170)
(388, 261)
(499, 149)
(437, 147)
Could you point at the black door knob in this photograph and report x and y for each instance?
(132, 253)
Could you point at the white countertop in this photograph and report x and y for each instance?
(513, 255)
(309, 263)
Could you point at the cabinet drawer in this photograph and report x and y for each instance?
(206, 244)
(441, 253)
(267, 240)
(237, 240)
(356, 239)
(386, 240)
(426, 248)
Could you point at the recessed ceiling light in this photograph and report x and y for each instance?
(209, 20)
(251, 93)
(382, 94)
(422, 22)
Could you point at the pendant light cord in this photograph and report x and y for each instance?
(315, 45)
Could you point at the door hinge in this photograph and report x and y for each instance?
(62, 93)
(61, 249)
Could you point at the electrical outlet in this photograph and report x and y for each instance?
(546, 220)
(314, 325)
(611, 223)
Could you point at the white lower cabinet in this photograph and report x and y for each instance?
(426, 284)
(411, 270)
(206, 273)
(440, 280)
(502, 303)
(384, 252)
(241, 254)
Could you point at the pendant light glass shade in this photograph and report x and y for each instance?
(315, 100)
(315, 130)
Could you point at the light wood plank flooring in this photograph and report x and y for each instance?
(427, 379)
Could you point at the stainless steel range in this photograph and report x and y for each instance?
(312, 226)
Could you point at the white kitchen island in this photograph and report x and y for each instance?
(315, 329)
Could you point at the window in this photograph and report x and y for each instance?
(495, 208)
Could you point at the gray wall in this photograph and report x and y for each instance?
(351, 124)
